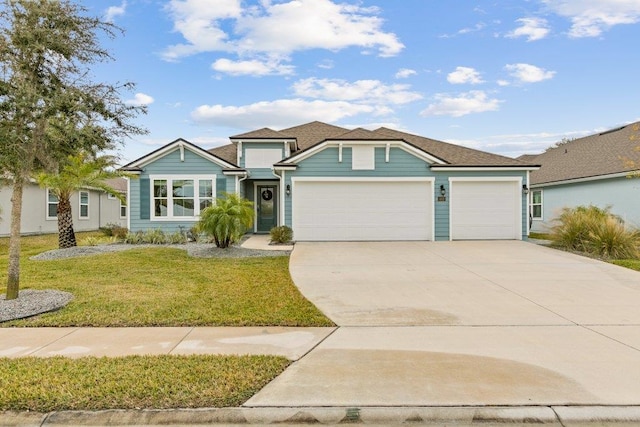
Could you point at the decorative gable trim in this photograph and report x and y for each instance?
(179, 144)
(386, 144)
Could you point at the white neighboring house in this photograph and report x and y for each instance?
(91, 209)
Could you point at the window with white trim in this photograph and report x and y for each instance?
(84, 205)
(52, 205)
(123, 209)
(536, 204)
(181, 197)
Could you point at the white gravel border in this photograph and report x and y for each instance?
(31, 302)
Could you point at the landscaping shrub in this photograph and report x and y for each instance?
(281, 234)
(227, 220)
(596, 231)
(114, 230)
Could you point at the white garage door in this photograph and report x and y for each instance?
(486, 210)
(362, 210)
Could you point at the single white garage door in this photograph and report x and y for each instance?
(484, 210)
(362, 210)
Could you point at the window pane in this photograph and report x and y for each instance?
(52, 197)
(183, 207)
(183, 188)
(537, 197)
(205, 203)
(537, 211)
(206, 188)
(53, 209)
(84, 211)
(123, 211)
(160, 207)
(160, 188)
(84, 197)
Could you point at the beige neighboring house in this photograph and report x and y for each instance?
(91, 209)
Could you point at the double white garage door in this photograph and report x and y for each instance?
(402, 209)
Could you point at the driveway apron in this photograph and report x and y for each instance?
(464, 323)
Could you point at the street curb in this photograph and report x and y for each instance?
(530, 415)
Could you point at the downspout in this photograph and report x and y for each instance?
(281, 210)
(239, 180)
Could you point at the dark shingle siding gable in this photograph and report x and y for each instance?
(592, 156)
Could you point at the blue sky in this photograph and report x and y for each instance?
(508, 77)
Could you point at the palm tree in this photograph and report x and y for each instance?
(79, 171)
(227, 220)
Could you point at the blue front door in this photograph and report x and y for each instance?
(267, 208)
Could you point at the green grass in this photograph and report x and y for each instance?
(540, 236)
(633, 264)
(54, 384)
(162, 286)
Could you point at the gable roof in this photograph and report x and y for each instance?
(314, 133)
(592, 156)
(454, 155)
(264, 133)
(136, 165)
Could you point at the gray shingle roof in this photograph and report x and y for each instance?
(264, 133)
(227, 152)
(454, 155)
(313, 133)
(591, 156)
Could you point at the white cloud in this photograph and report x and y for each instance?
(280, 113)
(112, 12)
(253, 67)
(531, 28)
(367, 91)
(199, 23)
(326, 64)
(527, 73)
(475, 101)
(276, 29)
(140, 99)
(478, 27)
(503, 83)
(464, 75)
(404, 73)
(590, 18)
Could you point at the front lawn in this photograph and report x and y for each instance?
(133, 382)
(163, 286)
(633, 264)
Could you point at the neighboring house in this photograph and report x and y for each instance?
(331, 183)
(587, 171)
(91, 209)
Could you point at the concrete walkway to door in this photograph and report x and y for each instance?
(495, 323)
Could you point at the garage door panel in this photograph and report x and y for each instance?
(362, 210)
(486, 210)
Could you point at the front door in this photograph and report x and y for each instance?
(267, 208)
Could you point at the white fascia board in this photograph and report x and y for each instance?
(586, 179)
(483, 168)
(265, 141)
(174, 146)
(485, 178)
(362, 179)
(376, 143)
(285, 167)
(235, 173)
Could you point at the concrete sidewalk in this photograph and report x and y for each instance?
(291, 343)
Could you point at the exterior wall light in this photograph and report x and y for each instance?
(443, 191)
(288, 190)
(525, 189)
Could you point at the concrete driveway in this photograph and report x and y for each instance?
(464, 323)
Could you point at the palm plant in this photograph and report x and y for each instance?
(79, 171)
(227, 220)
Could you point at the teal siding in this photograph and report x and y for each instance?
(325, 164)
(231, 184)
(401, 164)
(170, 164)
